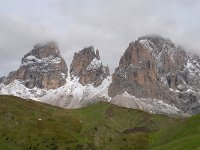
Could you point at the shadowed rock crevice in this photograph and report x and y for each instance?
(136, 130)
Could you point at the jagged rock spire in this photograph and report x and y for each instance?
(87, 66)
(97, 54)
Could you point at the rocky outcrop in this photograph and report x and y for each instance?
(2, 79)
(153, 67)
(88, 68)
(42, 67)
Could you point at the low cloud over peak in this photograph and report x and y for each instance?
(108, 25)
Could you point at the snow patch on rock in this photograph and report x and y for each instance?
(32, 60)
(95, 64)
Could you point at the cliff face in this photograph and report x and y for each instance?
(42, 67)
(87, 66)
(153, 67)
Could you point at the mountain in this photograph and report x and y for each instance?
(43, 76)
(153, 75)
(27, 124)
(42, 67)
(154, 69)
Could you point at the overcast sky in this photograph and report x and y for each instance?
(109, 25)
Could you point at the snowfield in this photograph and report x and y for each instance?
(71, 95)
(75, 95)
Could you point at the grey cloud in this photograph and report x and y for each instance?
(112, 24)
(16, 39)
(109, 25)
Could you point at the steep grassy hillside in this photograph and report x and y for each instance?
(26, 124)
(185, 136)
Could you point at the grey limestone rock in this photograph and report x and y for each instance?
(42, 67)
(88, 67)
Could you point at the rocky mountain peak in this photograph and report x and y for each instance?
(156, 39)
(154, 67)
(87, 66)
(45, 50)
(157, 45)
(42, 67)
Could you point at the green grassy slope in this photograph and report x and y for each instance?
(20, 127)
(185, 136)
(98, 126)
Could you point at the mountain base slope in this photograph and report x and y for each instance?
(26, 124)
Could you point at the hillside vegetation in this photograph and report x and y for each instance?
(31, 125)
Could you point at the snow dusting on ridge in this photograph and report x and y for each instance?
(71, 95)
(153, 106)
